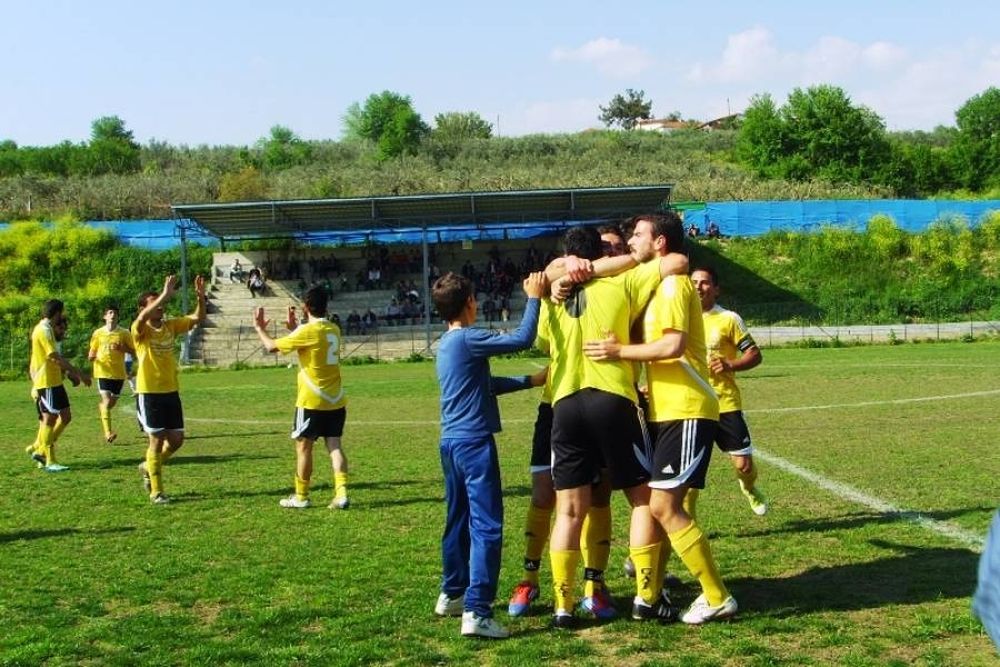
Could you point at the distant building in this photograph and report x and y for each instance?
(667, 125)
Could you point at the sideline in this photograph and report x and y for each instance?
(948, 529)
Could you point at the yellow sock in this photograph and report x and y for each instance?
(748, 478)
(595, 546)
(692, 547)
(564, 577)
(105, 418)
(57, 430)
(301, 488)
(691, 503)
(536, 533)
(340, 485)
(644, 558)
(45, 442)
(154, 468)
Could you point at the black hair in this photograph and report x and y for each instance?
(450, 293)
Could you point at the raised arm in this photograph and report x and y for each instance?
(199, 290)
(169, 289)
(260, 326)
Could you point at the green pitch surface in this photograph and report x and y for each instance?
(881, 465)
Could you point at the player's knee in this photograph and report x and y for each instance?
(743, 463)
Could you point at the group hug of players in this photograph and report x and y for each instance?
(608, 319)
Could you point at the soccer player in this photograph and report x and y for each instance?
(473, 533)
(595, 538)
(320, 405)
(684, 413)
(595, 417)
(108, 346)
(159, 402)
(731, 349)
(46, 368)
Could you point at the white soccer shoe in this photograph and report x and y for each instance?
(481, 626)
(447, 606)
(701, 612)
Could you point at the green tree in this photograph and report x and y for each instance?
(247, 184)
(283, 149)
(818, 133)
(456, 126)
(977, 146)
(112, 148)
(389, 121)
(626, 110)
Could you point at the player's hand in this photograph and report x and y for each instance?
(608, 349)
(169, 286)
(290, 320)
(577, 269)
(561, 289)
(199, 286)
(718, 365)
(535, 285)
(538, 379)
(85, 379)
(258, 318)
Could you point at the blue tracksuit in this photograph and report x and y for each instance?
(473, 531)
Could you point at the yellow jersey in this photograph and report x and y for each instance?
(679, 388)
(726, 336)
(44, 371)
(156, 356)
(595, 310)
(318, 345)
(110, 363)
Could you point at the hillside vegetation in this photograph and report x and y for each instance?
(833, 276)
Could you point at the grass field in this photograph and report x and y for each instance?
(870, 559)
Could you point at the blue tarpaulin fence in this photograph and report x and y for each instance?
(733, 218)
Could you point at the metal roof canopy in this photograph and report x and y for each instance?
(299, 218)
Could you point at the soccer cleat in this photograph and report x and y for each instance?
(524, 594)
(448, 606)
(629, 567)
(474, 625)
(701, 612)
(38, 458)
(563, 620)
(55, 467)
(146, 482)
(339, 503)
(672, 581)
(599, 605)
(662, 610)
(160, 499)
(758, 503)
(293, 502)
(111, 437)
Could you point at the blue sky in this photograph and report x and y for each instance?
(223, 72)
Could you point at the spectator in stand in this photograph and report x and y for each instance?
(411, 312)
(354, 322)
(374, 276)
(255, 282)
(713, 230)
(369, 322)
(693, 231)
(236, 271)
(393, 313)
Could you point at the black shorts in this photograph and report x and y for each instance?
(160, 412)
(733, 436)
(315, 424)
(592, 427)
(109, 386)
(541, 441)
(52, 400)
(682, 452)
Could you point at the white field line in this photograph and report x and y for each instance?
(865, 404)
(950, 530)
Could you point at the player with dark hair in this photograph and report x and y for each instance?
(158, 397)
(108, 346)
(731, 349)
(46, 368)
(320, 405)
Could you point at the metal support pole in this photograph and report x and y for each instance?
(427, 287)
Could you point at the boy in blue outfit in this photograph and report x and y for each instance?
(473, 532)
